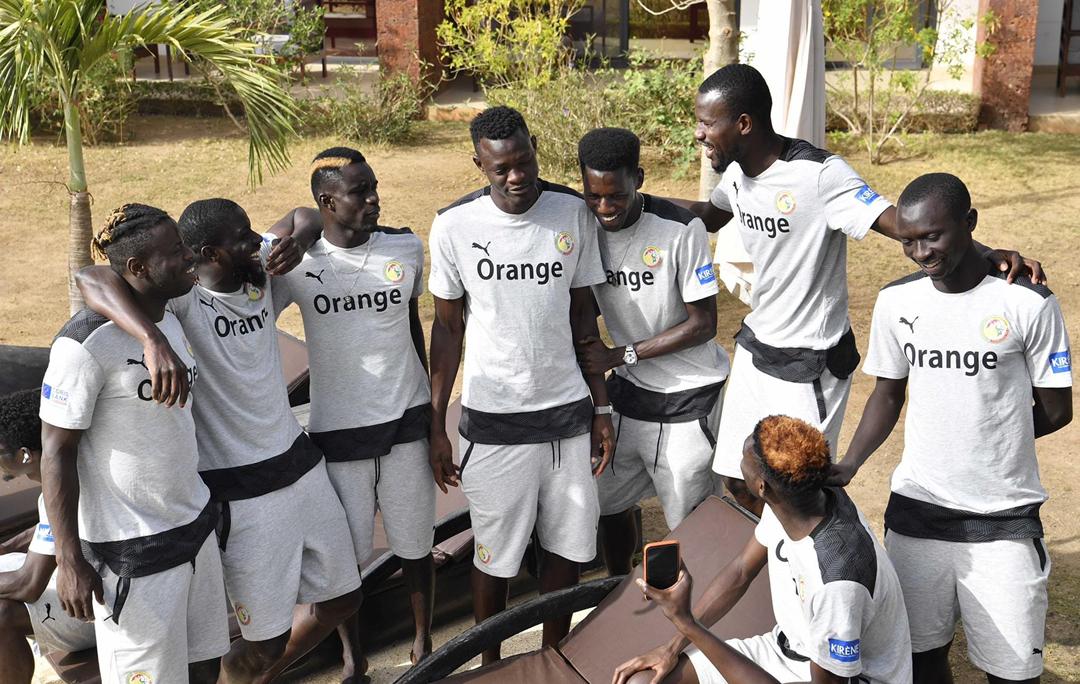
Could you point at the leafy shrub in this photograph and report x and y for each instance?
(936, 111)
(656, 101)
(383, 116)
(192, 97)
(106, 103)
(507, 43)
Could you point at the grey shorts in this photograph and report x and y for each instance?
(54, 630)
(169, 620)
(515, 488)
(286, 547)
(401, 487)
(997, 589)
(671, 460)
(751, 395)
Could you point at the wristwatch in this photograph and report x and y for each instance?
(629, 356)
(604, 410)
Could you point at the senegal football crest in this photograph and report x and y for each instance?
(483, 553)
(139, 678)
(394, 271)
(652, 256)
(785, 202)
(995, 329)
(564, 242)
(242, 614)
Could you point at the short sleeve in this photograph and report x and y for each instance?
(280, 293)
(884, 358)
(834, 634)
(181, 306)
(590, 268)
(445, 280)
(418, 264)
(719, 196)
(851, 205)
(768, 531)
(43, 541)
(1046, 345)
(696, 277)
(71, 386)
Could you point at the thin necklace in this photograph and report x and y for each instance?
(359, 269)
(631, 235)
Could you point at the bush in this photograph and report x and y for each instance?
(193, 97)
(106, 103)
(383, 116)
(507, 43)
(656, 101)
(936, 111)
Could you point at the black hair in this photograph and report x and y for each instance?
(326, 166)
(19, 422)
(743, 90)
(127, 233)
(497, 123)
(609, 149)
(944, 188)
(793, 455)
(202, 221)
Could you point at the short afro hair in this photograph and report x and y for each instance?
(19, 422)
(743, 90)
(793, 455)
(127, 233)
(609, 149)
(497, 123)
(944, 189)
(203, 221)
(327, 165)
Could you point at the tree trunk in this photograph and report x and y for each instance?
(723, 50)
(80, 227)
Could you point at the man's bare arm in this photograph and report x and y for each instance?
(1052, 409)
(447, 342)
(26, 584)
(712, 216)
(18, 543)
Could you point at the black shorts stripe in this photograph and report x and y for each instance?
(527, 427)
(255, 479)
(373, 441)
(660, 407)
(922, 520)
(151, 554)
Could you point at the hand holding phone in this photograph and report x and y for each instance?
(662, 564)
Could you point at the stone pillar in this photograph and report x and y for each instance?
(406, 33)
(1003, 79)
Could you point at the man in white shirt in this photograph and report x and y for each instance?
(133, 521)
(515, 260)
(796, 207)
(987, 370)
(29, 605)
(839, 609)
(659, 306)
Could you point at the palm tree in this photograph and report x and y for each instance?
(58, 41)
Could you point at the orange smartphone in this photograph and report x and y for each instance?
(662, 564)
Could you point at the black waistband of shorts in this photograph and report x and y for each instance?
(372, 441)
(922, 520)
(149, 555)
(255, 479)
(527, 427)
(797, 364)
(660, 407)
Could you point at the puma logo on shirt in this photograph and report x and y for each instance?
(48, 613)
(212, 303)
(141, 361)
(316, 276)
(909, 324)
(483, 248)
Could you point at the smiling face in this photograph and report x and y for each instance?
(612, 196)
(512, 170)
(166, 263)
(237, 251)
(352, 199)
(932, 238)
(721, 133)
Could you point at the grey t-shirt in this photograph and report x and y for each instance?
(653, 269)
(848, 613)
(355, 306)
(515, 272)
(138, 459)
(794, 220)
(971, 359)
(242, 413)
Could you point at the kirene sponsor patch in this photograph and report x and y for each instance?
(844, 651)
(705, 274)
(1061, 362)
(866, 195)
